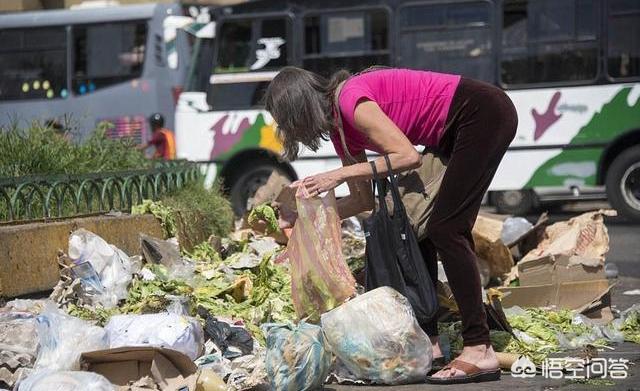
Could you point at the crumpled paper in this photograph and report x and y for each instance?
(584, 239)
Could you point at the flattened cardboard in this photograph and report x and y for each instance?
(558, 269)
(172, 370)
(488, 245)
(568, 295)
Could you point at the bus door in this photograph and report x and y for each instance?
(227, 126)
(450, 37)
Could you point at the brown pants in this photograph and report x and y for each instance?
(480, 125)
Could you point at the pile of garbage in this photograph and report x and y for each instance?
(220, 306)
(207, 305)
(271, 309)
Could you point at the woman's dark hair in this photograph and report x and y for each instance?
(301, 103)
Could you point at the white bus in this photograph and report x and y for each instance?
(83, 66)
(571, 67)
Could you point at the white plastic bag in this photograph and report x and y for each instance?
(111, 265)
(62, 338)
(168, 330)
(377, 337)
(49, 380)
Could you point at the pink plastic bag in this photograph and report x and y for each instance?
(320, 278)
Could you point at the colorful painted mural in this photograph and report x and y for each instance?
(578, 167)
(585, 118)
(229, 138)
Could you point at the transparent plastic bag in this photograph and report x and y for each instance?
(377, 338)
(50, 380)
(167, 253)
(63, 338)
(18, 333)
(513, 228)
(297, 359)
(320, 278)
(111, 275)
(594, 333)
(173, 331)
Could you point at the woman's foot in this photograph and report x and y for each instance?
(482, 356)
(435, 344)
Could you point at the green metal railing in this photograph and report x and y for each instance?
(55, 196)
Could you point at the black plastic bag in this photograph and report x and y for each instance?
(233, 341)
(393, 255)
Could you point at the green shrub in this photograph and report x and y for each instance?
(41, 150)
(200, 212)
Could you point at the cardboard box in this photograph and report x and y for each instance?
(577, 296)
(557, 269)
(171, 370)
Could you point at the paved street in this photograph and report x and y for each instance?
(625, 253)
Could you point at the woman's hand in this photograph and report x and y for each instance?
(320, 183)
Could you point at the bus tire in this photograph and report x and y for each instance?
(245, 186)
(514, 202)
(623, 183)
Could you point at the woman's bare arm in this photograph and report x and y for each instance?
(388, 138)
(360, 196)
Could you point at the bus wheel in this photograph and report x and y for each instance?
(623, 183)
(247, 184)
(513, 202)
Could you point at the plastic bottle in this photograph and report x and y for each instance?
(208, 380)
(513, 228)
(611, 270)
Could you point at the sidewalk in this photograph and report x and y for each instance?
(627, 351)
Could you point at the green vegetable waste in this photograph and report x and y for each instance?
(630, 326)
(267, 214)
(160, 211)
(256, 296)
(539, 332)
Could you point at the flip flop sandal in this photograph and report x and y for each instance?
(473, 374)
(437, 364)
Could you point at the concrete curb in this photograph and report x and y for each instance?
(28, 251)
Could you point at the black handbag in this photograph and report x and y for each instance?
(393, 257)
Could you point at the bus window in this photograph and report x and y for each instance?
(33, 63)
(272, 49)
(453, 38)
(623, 46)
(107, 54)
(353, 40)
(234, 53)
(237, 96)
(549, 41)
(247, 45)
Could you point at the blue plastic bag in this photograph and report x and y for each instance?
(297, 359)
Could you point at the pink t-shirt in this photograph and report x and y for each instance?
(416, 101)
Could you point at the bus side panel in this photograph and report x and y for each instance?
(124, 104)
(218, 135)
(562, 133)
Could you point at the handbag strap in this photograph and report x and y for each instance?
(382, 189)
(398, 206)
